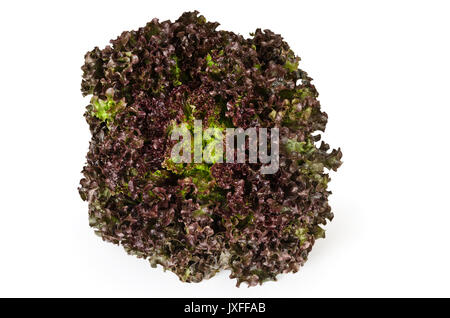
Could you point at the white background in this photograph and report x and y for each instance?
(382, 69)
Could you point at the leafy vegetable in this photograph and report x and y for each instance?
(196, 219)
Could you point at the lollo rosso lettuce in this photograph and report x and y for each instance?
(196, 219)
